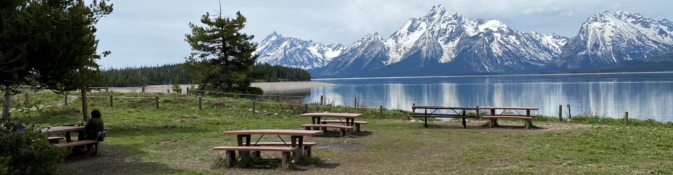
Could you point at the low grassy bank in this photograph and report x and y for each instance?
(178, 137)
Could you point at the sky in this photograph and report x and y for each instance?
(152, 32)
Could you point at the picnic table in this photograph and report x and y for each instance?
(493, 116)
(66, 130)
(296, 139)
(439, 112)
(342, 125)
(315, 117)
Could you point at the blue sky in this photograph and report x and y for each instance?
(152, 32)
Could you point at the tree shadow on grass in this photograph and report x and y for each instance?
(324, 165)
(112, 159)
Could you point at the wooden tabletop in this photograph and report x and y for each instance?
(326, 114)
(275, 132)
(60, 129)
(443, 107)
(512, 108)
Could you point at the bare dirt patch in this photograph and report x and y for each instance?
(344, 146)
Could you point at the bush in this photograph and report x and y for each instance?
(27, 152)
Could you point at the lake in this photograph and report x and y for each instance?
(643, 95)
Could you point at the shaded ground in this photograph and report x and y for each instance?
(112, 160)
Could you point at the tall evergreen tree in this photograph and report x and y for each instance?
(222, 56)
(56, 43)
(13, 65)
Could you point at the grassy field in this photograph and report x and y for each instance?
(177, 139)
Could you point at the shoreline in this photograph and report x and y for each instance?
(268, 87)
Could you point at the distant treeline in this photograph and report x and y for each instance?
(160, 75)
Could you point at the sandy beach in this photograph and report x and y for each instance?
(268, 87)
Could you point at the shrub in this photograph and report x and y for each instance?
(27, 152)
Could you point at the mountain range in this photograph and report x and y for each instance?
(443, 42)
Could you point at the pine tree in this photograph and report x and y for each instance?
(176, 85)
(52, 43)
(222, 56)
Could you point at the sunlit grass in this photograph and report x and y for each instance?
(178, 137)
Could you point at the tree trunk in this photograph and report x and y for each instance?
(5, 105)
(85, 105)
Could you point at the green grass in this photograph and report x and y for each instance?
(176, 139)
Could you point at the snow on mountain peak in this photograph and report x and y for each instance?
(492, 25)
(278, 50)
(610, 37)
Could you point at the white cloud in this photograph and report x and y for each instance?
(151, 32)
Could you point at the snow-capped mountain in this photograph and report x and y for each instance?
(292, 52)
(611, 37)
(444, 42)
(366, 54)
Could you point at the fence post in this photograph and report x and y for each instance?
(142, 89)
(199, 103)
(560, 113)
(381, 111)
(253, 107)
(27, 100)
(66, 98)
(305, 108)
(156, 99)
(626, 118)
(111, 102)
(107, 89)
(321, 102)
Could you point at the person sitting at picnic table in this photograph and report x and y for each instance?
(94, 126)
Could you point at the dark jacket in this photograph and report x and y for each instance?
(92, 127)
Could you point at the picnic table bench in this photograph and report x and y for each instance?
(357, 123)
(493, 116)
(231, 152)
(295, 146)
(436, 112)
(307, 146)
(342, 128)
(67, 130)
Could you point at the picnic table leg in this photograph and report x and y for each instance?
(316, 122)
(67, 137)
(358, 127)
(494, 121)
(297, 142)
(464, 122)
(243, 154)
(284, 159)
(529, 122)
(231, 158)
(426, 118)
(426, 122)
(350, 122)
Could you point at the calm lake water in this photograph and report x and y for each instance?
(643, 95)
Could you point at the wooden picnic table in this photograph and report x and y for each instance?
(315, 117)
(493, 116)
(458, 112)
(66, 130)
(296, 137)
